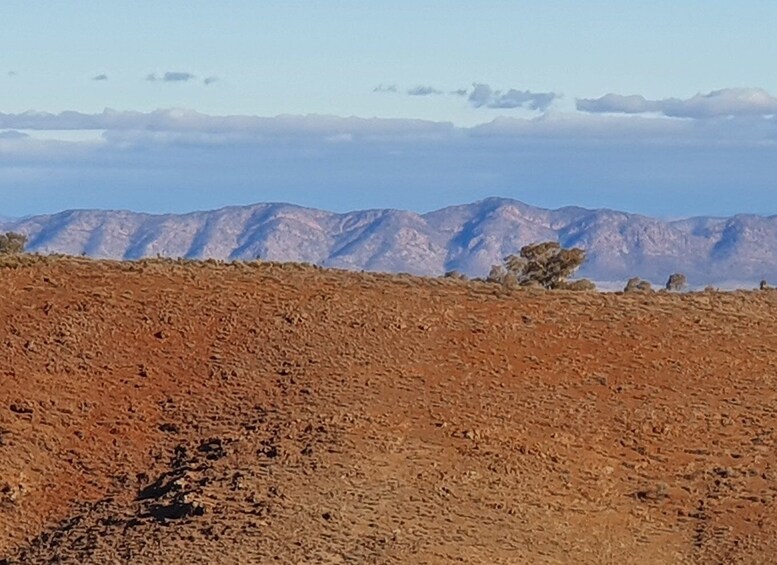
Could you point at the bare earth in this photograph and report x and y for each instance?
(161, 412)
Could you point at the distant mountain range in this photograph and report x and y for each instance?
(735, 251)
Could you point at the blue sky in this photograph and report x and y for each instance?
(664, 108)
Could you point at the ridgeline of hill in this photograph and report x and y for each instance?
(175, 412)
(734, 252)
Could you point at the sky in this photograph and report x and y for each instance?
(661, 108)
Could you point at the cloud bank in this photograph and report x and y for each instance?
(13, 134)
(656, 165)
(727, 102)
(188, 126)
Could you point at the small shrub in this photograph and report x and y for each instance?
(455, 275)
(578, 285)
(500, 275)
(676, 282)
(496, 274)
(635, 284)
(12, 243)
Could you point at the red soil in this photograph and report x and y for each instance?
(162, 412)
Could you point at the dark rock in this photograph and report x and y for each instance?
(168, 428)
(21, 407)
(213, 449)
(176, 510)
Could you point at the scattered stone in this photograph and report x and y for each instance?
(21, 407)
(179, 508)
(169, 428)
(213, 449)
(653, 494)
(269, 451)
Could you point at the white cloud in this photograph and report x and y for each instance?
(483, 95)
(726, 102)
(423, 91)
(171, 76)
(385, 88)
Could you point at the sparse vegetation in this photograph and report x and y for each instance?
(541, 265)
(636, 284)
(500, 275)
(12, 243)
(458, 356)
(676, 282)
(579, 285)
(455, 275)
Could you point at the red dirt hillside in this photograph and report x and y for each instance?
(174, 412)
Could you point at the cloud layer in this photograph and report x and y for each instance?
(202, 127)
(13, 134)
(745, 123)
(654, 165)
(483, 96)
(727, 102)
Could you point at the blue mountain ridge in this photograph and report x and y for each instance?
(735, 251)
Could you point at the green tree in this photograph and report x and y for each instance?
(545, 265)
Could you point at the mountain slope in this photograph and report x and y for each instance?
(469, 238)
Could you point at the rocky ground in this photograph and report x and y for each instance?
(173, 412)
